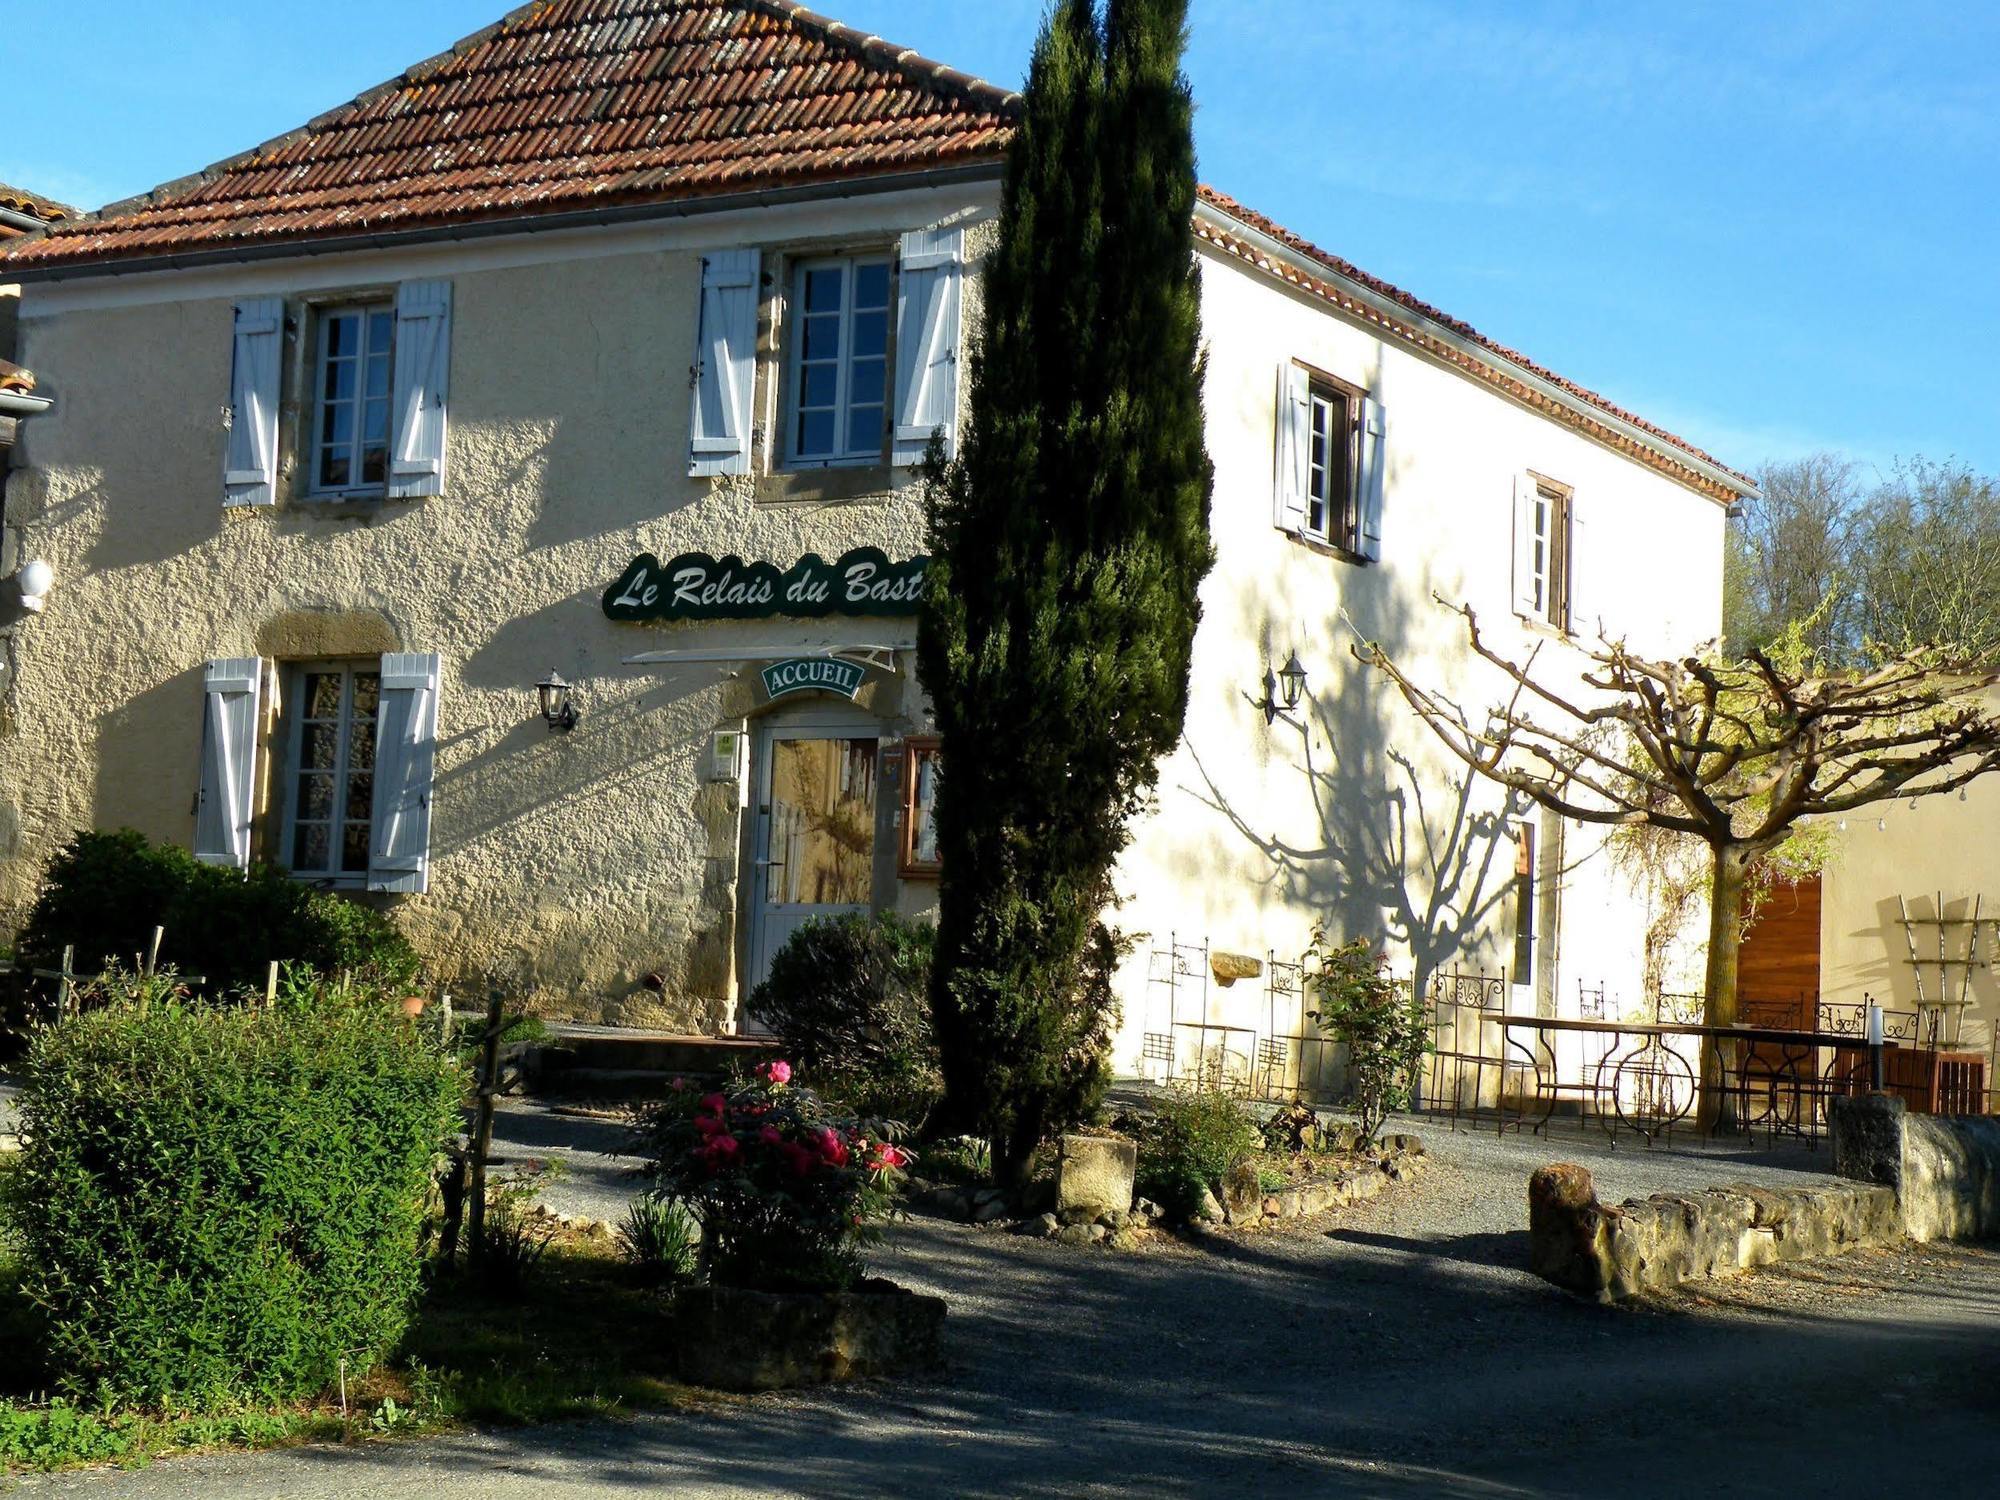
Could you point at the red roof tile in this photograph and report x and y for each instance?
(33, 204)
(569, 104)
(566, 105)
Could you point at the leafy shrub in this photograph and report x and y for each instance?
(783, 1185)
(218, 1205)
(59, 1434)
(106, 892)
(516, 1238)
(661, 1238)
(1192, 1138)
(848, 997)
(1381, 1022)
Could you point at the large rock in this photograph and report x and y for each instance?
(1094, 1176)
(1243, 1192)
(738, 1340)
(1944, 1169)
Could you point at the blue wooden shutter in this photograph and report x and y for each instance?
(421, 393)
(226, 804)
(399, 849)
(928, 279)
(1372, 477)
(1294, 448)
(725, 364)
(250, 457)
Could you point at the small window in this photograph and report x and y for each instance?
(330, 770)
(1524, 903)
(840, 362)
(350, 411)
(1331, 514)
(1549, 543)
(920, 778)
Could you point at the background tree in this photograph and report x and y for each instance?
(1788, 556)
(1734, 754)
(1068, 541)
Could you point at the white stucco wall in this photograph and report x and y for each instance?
(1354, 816)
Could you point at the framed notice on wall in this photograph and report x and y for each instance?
(919, 859)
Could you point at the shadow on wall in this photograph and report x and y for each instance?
(1397, 847)
(148, 756)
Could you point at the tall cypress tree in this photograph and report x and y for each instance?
(1068, 541)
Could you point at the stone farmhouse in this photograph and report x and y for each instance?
(496, 498)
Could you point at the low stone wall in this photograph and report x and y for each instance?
(1944, 1169)
(1244, 1201)
(1651, 1244)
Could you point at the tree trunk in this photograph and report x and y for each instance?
(1725, 945)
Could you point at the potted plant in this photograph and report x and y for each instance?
(787, 1190)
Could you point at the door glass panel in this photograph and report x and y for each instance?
(822, 826)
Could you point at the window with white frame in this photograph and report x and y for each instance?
(351, 391)
(839, 362)
(1330, 466)
(330, 769)
(1549, 561)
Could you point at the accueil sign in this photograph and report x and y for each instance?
(696, 586)
(812, 674)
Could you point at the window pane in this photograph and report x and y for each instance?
(378, 330)
(819, 338)
(864, 429)
(341, 331)
(316, 794)
(817, 385)
(319, 745)
(375, 465)
(322, 695)
(815, 434)
(367, 689)
(864, 382)
(871, 284)
(823, 289)
(310, 846)
(822, 828)
(354, 848)
(360, 796)
(378, 377)
(871, 333)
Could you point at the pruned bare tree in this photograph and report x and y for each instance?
(1735, 754)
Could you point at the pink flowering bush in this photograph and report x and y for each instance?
(787, 1189)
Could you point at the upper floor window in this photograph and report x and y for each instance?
(1330, 467)
(1330, 449)
(1542, 551)
(839, 361)
(330, 770)
(350, 422)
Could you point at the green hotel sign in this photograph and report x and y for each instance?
(812, 674)
(696, 586)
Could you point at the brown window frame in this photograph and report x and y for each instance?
(908, 865)
(1555, 610)
(1342, 531)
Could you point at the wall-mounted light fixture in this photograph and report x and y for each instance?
(558, 709)
(1283, 689)
(34, 581)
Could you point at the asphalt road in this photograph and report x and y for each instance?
(1404, 1353)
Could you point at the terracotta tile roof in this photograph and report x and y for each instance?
(566, 105)
(1306, 250)
(34, 204)
(571, 104)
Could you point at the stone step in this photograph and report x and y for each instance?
(640, 1065)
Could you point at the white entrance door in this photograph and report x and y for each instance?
(815, 833)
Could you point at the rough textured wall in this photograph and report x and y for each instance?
(1945, 1169)
(570, 865)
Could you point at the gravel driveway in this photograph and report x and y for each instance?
(1397, 1350)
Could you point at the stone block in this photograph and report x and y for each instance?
(1095, 1172)
(1284, 1205)
(1042, 1226)
(1076, 1234)
(1945, 1170)
(991, 1209)
(739, 1340)
(1243, 1192)
(1230, 967)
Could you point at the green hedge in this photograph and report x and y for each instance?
(106, 892)
(218, 1205)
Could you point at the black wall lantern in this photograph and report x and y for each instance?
(1284, 689)
(557, 708)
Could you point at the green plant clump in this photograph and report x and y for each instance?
(1381, 1022)
(849, 998)
(661, 1238)
(1194, 1136)
(216, 1206)
(104, 893)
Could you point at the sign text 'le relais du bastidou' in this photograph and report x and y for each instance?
(696, 586)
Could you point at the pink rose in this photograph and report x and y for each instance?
(713, 1104)
(888, 1158)
(770, 1135)
(721, 1150)
(776, 1071)
(832, 1148)
(799, 1159)
(708, 1125)
(679, 1085)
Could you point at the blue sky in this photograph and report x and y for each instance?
(1769, 227)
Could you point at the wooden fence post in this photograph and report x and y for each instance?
(482, 1130)
(271, 986)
